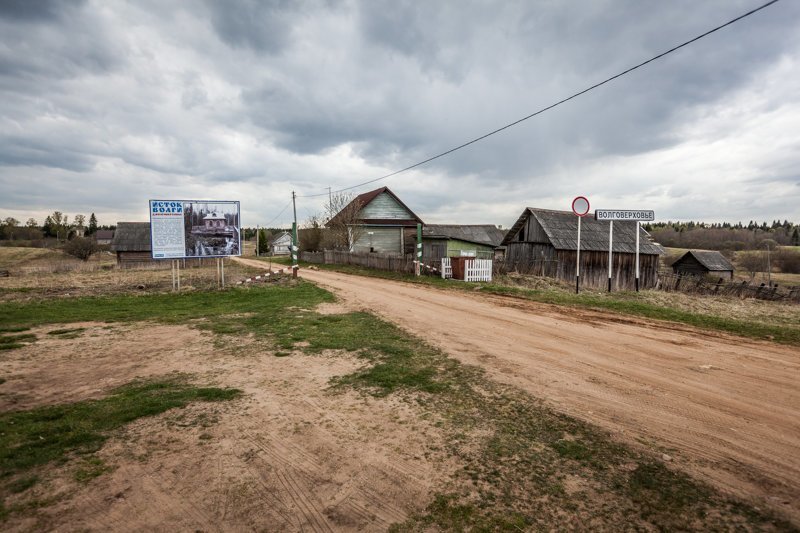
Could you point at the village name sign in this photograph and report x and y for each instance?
(624, 214)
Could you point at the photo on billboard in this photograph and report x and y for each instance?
(194, 228)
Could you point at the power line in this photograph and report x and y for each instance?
(279, 214)
(551, 106)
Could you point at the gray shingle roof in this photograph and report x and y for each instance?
(485, 234)
(131, 237)
(561, 228)
(712, 260)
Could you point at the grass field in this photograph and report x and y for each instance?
(521, 465)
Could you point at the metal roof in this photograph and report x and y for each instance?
(486, 234)
(561, 228)
(362, 200)
(712, 260)
(131, 237)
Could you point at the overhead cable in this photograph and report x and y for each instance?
(551, 106)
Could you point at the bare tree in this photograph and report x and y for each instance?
(751, 262)
(9, 224)
(343, 214)
(311, 235)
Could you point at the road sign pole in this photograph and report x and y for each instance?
(419, 249)
(610, 251)
(637, 256)
(580, 206)
(578, 260)
(295, 247)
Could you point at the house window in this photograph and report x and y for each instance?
(522, 234)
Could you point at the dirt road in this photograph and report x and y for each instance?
(725, 409)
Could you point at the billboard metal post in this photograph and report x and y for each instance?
(610, 251)
(222, 270)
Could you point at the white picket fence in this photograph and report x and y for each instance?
(474, 269)
(447, 270)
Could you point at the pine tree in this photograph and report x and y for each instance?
(796, 237)
(92, 224)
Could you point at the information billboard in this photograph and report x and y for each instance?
(194, 228)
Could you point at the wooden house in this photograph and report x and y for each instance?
(384, 223)
(131, 243)
(703, 263)
(545, 242)
(281, 244)
(451, 240)
(104, 236)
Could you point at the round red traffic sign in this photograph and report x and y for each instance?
(580, 206)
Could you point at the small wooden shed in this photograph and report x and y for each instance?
(132, 244)
(703, 263)
(545, 242)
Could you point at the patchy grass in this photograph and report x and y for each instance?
(30, 439)
(11, 342)
(515, 454)
(90, 468)
(65, 331)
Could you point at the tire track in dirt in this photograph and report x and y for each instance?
(726, 409)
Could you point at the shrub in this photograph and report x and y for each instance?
(787, 261)
(81, 247)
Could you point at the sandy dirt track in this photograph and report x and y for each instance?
(290, 455)
(725, 409)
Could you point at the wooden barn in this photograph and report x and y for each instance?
(454, 240)
(386, 224)
(131, 243)
(703, 263)
(544, 242)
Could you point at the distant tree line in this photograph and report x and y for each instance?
(724, 236)
(56, 225)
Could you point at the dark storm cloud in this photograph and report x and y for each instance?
(556, 51)
(279, 94)
(263, 25)
(35, 10)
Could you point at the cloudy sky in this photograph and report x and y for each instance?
(104, 105)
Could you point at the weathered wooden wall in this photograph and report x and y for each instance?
(391, 262)
(384, 207)
(544, 260)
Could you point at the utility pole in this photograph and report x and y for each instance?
(769, 267)
(295, 248)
